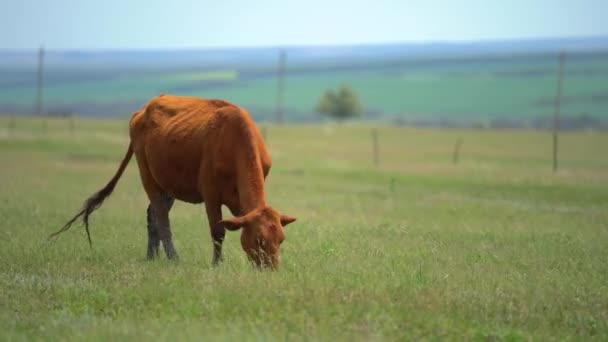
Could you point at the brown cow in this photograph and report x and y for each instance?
(199, 150)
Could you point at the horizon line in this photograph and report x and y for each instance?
(320, 45)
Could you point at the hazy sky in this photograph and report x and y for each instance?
(85, 24)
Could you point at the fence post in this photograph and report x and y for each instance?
(375, 147)
(558, 99)
(456, 153)
(12, 124)
(71, 123)
(281, 86)
(264, 134)
(40, 88)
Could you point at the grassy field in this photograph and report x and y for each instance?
(494, 247)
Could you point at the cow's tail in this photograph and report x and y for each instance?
(97, 199)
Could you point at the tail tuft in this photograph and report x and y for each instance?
(96, 200)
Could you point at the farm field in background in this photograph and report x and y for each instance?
(518, 88)
(495, 246)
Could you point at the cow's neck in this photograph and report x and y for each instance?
(250, 184)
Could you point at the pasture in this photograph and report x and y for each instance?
(494, 247)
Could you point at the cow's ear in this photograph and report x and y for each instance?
(234, 223)
(285, 220)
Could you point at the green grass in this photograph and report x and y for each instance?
(495, 247)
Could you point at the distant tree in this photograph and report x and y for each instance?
(339, 105)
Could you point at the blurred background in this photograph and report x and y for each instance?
(471, 63)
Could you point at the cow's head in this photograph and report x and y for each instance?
(262, 234)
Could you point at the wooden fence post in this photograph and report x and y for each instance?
(558, 99)
(264, 136)
(12, 124)
(281, 86)
(40, 89)
(456, 153)
(71, 123)
(375, 147)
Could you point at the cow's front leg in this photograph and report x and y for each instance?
(214, 215)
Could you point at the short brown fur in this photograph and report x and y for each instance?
(199, 150)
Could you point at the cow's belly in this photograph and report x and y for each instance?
(177, 172)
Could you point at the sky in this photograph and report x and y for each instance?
(186, 24)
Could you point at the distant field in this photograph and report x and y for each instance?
(521, 88)
(495, 247)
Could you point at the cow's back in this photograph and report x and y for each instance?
(181, 139)
(168, 110)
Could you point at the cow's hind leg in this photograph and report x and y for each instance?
(160, 212)
(159, 228)
(153, 240)
(154, 227)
